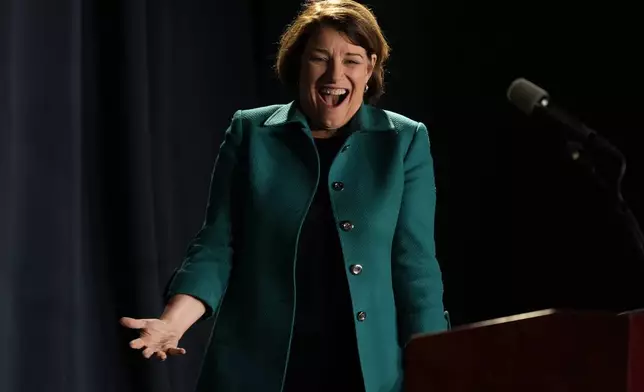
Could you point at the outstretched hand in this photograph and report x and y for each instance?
(157, 337)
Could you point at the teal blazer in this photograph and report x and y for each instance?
(241, 263)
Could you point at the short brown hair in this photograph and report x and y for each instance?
(350, 18)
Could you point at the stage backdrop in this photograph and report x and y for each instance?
(111, 114)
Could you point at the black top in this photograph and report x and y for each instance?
(324, 349)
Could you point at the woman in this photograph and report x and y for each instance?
(317, 253)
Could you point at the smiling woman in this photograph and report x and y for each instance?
(329, 57)
(334, 75)
(317, 254)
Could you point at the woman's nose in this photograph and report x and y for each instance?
(335, 71)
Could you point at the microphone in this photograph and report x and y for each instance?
(534, 101)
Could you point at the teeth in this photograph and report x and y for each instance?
(333, 91)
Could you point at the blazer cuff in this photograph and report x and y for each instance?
(190, 283)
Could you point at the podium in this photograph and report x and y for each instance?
(544, 351)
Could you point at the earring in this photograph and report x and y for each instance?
(366, 88)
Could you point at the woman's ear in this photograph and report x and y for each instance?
(371, 65)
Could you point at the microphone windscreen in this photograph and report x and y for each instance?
(526, 95)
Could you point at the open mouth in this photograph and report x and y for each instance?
(333, 97)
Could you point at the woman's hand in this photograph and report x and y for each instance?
(161, 336)
(157, 337)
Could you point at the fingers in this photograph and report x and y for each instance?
(137, 344)
(129, 322)
(148, 352)
(163, 355)
(176, 351)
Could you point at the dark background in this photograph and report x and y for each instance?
(111, 114)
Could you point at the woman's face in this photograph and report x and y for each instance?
(333, 76)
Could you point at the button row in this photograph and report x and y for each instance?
(356, 269)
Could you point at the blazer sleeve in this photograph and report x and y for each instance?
(417, 278)
(206, 268)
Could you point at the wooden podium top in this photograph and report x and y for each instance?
(547, 350)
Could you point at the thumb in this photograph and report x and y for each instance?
(129, 322)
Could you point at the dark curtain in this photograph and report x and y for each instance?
(111, 114)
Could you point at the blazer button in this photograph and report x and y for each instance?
(346, 226)
(338, 186)
(356, 269)
(362, 316)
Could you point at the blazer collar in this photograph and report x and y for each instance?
(367, 119)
